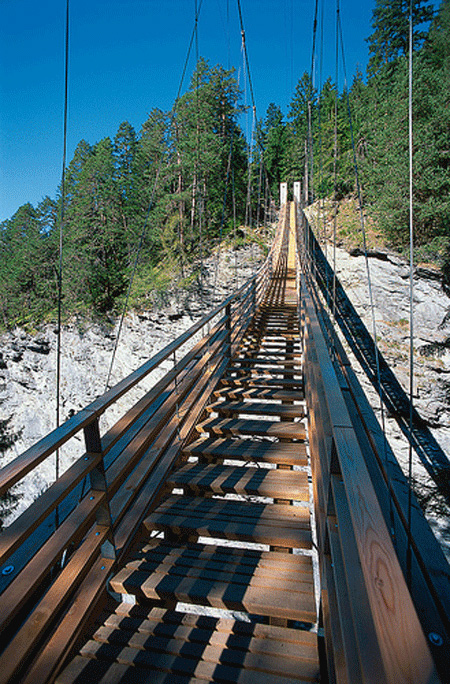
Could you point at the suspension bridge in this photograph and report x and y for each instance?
(244, 521)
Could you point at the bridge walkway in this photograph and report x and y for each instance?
(179, 546)
(233, 532)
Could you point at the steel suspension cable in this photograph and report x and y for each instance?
(151, 203)
(61, 231)
(369, 281)
(321, 155)
(312, 79)
(411, 289)
(224, 202)
(244, 47)
(335, 158)
(196, 196)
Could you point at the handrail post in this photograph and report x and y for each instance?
(98, 483)
(228, 329)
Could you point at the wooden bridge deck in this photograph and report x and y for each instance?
(232, 533)
(195, 511)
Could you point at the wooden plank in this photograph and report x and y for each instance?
(51, 659)
(209, 668)
(362, 653)
(41, 618)
(221, 479)
(114, 629)
(267, 524)
(236, 569)
(165, 578)
(133, 617)
(263, 381)
(158, 550)
(267, 361)
(215, 647)
(32, 576)
(260, 393)
(268, 598)
(230, 508)
(277, 349)
(266, 531)
(263, 428)
(82, 670)
(266, 595)
(150, 493)
(256, 408)
(292, 373)
(278, 355)
(15, 534)
(390, 602)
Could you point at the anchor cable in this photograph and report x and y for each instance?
(61, 231)
(411, 291)
(151, 203)
(369, 284)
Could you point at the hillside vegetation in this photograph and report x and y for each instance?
(170, 192)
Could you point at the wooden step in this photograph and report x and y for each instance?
(247, 450)
(260, 393)
(273, 335)
(278, 356)
(274, 524)
(264, 586)
(256, 408)
(221, 479)
(263, 370)
(262, 428)
(262, 381)
(264, 361)
(257, 337)
(170, 647)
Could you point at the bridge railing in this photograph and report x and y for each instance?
(385, 589)
(56, 557)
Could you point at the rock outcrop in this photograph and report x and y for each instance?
(389, 277)
(27, 362)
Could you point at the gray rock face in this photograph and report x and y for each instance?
(390, 292)
(28, 363)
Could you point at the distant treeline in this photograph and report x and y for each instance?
(210, 180)
(379, 128)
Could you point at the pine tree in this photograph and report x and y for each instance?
(125, 149)
(390, 38)
(386, 134)
(275, 137)
(302, 117)
(208, 148)
(27, 262)
(96, 254)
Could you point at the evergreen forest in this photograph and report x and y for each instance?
(154, 202)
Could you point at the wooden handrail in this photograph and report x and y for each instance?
(372, 627)
(14, 471)
(61, 548)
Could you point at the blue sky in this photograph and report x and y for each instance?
(126, 57)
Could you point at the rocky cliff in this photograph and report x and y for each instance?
(389, 277)
(27, 362)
